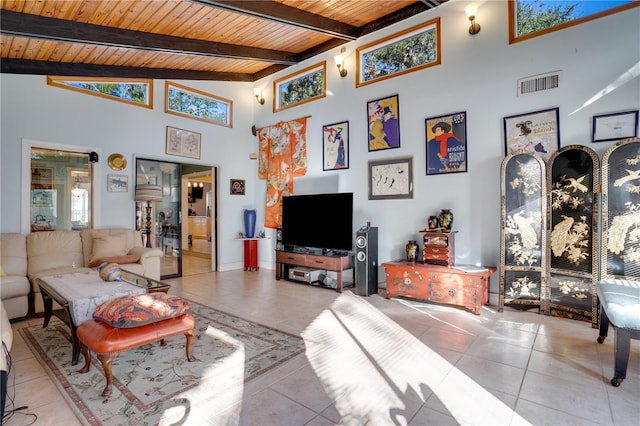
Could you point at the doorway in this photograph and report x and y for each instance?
(184, 212)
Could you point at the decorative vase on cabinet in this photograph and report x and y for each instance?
(412, 251)
(446, 219)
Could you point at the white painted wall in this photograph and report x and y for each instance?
(478, 75)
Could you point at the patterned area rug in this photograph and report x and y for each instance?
(152, 383)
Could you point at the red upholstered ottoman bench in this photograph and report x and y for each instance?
(109, 333)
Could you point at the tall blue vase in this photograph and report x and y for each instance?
(249, 223)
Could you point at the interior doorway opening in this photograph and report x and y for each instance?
(181, 218)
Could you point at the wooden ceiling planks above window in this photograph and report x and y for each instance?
(183, 39)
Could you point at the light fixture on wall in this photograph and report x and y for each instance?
(195, 184)
(471, 11)
(340, 62)
(148, 192)
(258, 93)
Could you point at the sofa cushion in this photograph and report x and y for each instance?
(107, 246)
(140, 309)
(133, 238)
(13, 254)
(131, 258)
(53, 250)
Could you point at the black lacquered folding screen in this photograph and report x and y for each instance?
(620, 254)
(573, 183)
(522, 242)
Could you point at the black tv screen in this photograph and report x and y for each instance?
(197, 193)
(323, 221)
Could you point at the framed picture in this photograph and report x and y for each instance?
(447, 143)
(335, 146)
(383, 119)
(183, 143)
(42, 178)
(537, 132)
(616, 126)
(117, 183)
(237, 186)
(192, 103)
(42, 197)
(391, 179)
(303, 86)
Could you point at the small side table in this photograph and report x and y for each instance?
(251, 253)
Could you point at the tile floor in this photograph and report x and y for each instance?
(375, 361)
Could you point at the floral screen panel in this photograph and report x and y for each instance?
(620, 257)
(573, 243)
(523, 206)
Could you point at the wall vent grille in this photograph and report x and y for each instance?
(539, 83)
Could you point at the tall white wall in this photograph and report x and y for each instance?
(478, 75)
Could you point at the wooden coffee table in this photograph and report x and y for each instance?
(91, 291)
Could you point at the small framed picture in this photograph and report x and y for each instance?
(183, 143)
(237, 186)
(616, 126)
(42, 178)
(335, 146)
(383, 119)
(537, 132)
(391, 179)
(447, 143)
(117, 183)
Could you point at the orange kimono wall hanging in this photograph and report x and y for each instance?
(282, 156)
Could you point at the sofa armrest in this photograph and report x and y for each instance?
(149, 260)
(7, 336)
(145, 253)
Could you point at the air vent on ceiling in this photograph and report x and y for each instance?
(539, 83)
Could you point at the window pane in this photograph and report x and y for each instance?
(60, 192)
(543, 16)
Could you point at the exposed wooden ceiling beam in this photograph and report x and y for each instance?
(392, 18)
(19, 66)
(26, 25)
(284, 14)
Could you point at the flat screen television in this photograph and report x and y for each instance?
(320, 221)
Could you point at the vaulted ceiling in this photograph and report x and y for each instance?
(232, 40)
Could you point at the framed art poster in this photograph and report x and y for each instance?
(183, 143)
(613, 127)
(537, 132)
(391, 179)
(335, 146)
(383, 118)
(447, 143)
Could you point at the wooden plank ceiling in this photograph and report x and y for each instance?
(232, 40)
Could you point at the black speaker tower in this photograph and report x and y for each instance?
(367, 260)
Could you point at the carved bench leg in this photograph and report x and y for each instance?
(189, 335)
(106, 360)
(87, 359)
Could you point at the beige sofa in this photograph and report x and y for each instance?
(14, 284)
(59, 252)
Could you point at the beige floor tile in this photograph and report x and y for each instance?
(584, 400)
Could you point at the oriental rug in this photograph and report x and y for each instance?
(155, 384)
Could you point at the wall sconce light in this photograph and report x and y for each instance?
(340, 62)
(471, 11)
(259, 97)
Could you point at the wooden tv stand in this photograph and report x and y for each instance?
(336, 263)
